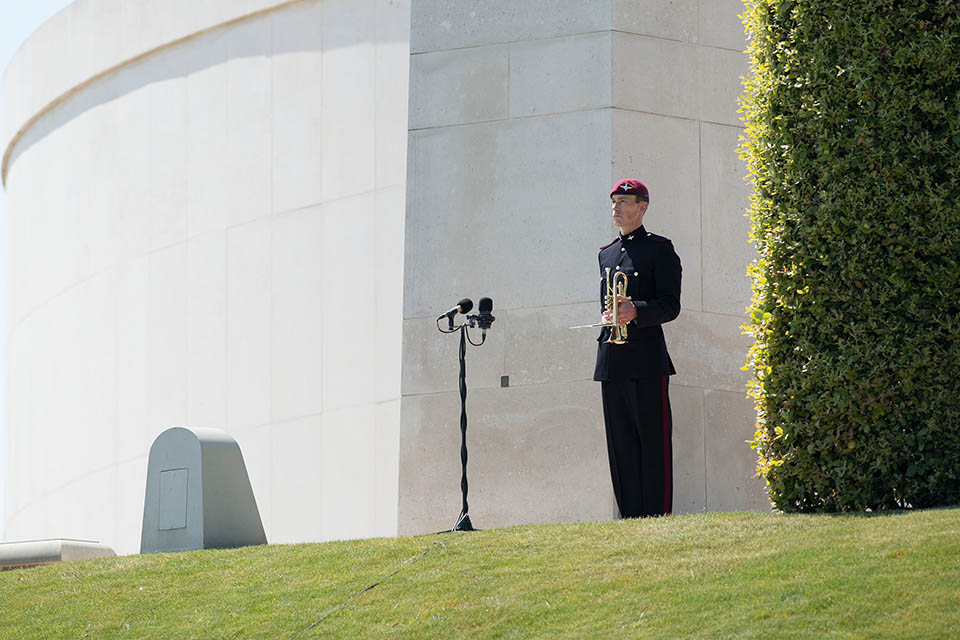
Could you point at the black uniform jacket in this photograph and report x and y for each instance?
(653, 284)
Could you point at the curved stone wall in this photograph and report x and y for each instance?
(89, 39)
(205, 228)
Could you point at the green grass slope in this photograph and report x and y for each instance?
(742, 575)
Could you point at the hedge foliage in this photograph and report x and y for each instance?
(853, 146)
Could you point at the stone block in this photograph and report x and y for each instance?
(347, 472)
(348, 89)
(63, 254)
(348, 139)
(36, 365)
(125, 149)
(664, 153)
(297, 72)
(166, 202)
(559, 74)
(129, 479)
(732, 484)
(655, 76)
(720, 24)
(257, 442)
(348, 297)
(689, 485)
(708, 350)
(457, 87)
(431, 361)
(542, 346)
(132, 434)
(14, 555)
(348, 22)
(70, 510)
(386, 467)
(80, 322)
(166, 338)
(531, 191)
(726, 247)
(393, 22)
(388, 290)
(429, 470)
(674, 20)
(718, 85)
(206, 374)
(677, 78)
(248, 331)
(198, 495)
(295, 480)
(536, 454)
(297, 315)
(454, 24)
(249, 99)
(392, 104)
(207, 136)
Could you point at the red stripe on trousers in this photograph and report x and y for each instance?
(667, 452)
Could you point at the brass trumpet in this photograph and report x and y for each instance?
(618, 332)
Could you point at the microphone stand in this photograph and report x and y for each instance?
(463, 521)
(485, 319)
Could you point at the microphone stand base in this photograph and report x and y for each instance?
(463, 523)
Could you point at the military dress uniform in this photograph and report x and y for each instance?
(634, 376)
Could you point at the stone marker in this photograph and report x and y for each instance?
(29, 553)
(198, 494)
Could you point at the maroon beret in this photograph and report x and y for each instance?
(631, 188)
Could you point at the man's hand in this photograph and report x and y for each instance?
(625, 310)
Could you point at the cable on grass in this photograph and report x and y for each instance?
(406, 563)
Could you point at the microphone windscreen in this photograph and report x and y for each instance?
(486, 305)
(465, 305)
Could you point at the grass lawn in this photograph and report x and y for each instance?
(739, 575)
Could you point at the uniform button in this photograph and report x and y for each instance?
(635, 273)
(622, 249)
(618, 268)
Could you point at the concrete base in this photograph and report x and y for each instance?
(198, 494)
(30, 553)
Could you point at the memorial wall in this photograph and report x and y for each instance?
(247, 215)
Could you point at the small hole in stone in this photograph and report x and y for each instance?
(504, 381)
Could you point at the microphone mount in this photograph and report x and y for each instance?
(482, 320)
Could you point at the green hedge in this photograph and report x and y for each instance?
(853, 146)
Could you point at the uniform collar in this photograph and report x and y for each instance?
(633, 235)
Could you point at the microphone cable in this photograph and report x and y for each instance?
(406, 563)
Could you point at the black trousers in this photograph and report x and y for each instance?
(639, 433)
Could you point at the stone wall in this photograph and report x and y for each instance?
(206, 227)
(522, 115)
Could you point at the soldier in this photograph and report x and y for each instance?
(634, 376)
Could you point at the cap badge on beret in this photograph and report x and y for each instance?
(631, 187)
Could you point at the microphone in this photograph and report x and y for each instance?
(462, 307)
(484, 317)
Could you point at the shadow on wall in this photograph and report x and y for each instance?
(250, 37)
